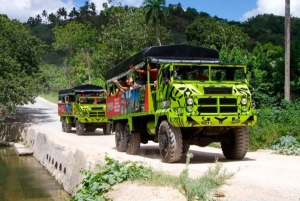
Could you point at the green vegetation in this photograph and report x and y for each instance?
(95, 185)
(194, 188)
(51, 96)
(286, 145)
(19, 65)
(274, 123)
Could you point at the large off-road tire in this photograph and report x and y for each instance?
(235, 143)
(79, 128)
(119, 137)
(63, 125)
(107, 129)
(170, 142)
(132, 141)
(68, 127)
(185, 147)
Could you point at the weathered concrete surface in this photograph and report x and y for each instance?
(22, 149)
(260, 176)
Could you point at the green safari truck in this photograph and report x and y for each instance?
(194, 100)
(83, 107)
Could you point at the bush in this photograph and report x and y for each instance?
(273, 123)
(95, 185)
(286, 145)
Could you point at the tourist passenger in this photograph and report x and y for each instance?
(153, 70)
(83, 98)
(124, 85)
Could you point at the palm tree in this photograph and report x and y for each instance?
(52, 18)
(61, 12)
(84, 11)
(74, 13)
(154, 10)
(93, 8)
(45, 14)
(38, 19)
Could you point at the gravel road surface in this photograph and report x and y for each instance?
(260, 176)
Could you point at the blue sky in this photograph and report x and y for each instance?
(227, 9)
(237, 10)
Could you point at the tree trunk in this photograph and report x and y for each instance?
(157, 35)
(89, 65)
(287, 51)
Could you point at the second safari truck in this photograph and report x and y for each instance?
(83, 107)
(195, 100)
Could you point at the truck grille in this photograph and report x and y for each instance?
(217, 90)
(217, 105)
(97, 112)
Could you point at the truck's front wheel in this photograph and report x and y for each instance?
(63, 125)
(107, 129)
(235, 143)
(170, 142)
(132, 141)
(119, 137)
(79, 128)
(68, 127)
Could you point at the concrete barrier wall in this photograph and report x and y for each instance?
(10, 132)
(62, 162)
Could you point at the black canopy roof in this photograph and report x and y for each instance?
(178, 51)
(83, 88)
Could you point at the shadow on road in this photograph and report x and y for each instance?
(87, 134)
(27, 116)
(151, 151)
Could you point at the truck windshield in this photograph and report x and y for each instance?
(218, 73)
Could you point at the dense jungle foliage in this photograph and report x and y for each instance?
(79, 46)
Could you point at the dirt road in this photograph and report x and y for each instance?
(259, 176)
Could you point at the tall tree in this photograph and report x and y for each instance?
(61, 12)
(52, 18)
(20, 57)
(38, 19)
(45, 14)
(209, 31)
(74, 13)
(77, 38)
(126, 33)
(85, 12)
(154, 10)
(287, 51)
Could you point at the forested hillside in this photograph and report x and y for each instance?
(80, 45)
(83, 38)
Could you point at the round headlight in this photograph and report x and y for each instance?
(189, 101)
(244, 101)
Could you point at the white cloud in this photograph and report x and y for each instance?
(136, 3)
(99, 3)
(23, 9)
(276, 7)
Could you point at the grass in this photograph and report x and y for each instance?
(215, 145)
(52, 97)
(95, 185)
(194, 188)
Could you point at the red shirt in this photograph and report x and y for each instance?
(153, 75)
